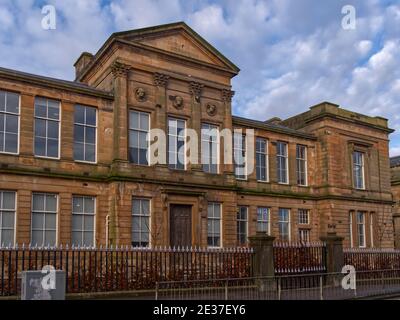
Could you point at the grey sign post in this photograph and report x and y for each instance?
(43, 285)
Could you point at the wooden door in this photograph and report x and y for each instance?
(180, 225)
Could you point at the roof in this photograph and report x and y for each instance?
(78, 87)
(272, 127)
(395, 161)
(149, 31)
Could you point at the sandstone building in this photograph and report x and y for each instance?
(74, 170)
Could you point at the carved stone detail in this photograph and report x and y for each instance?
(195, 89)
(120, 69)
(227, 95)
(161, 80)
(211, 109)
(177, 102)
(140, 94)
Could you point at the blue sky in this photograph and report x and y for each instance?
(292, 53)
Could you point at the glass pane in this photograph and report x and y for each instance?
(52, 129)
(38, 202)
(77, 204)
(50, 238)
(50, 221)
(8, 201)
(52, 148)
(79, 151)
(135, 236)
(134, 155)
(146, 207)
(1, 141)
(144, 121)
(51, 202)
(12, 102)
(134, 120)
(143, 157)
(79, 133)
(8, 220)
(11, 143)
(88, 223)
(136, 207)
(2, 100)
(90, 153)
(142, 140)
(7, 237)
(41, 111)
(90, 135)
(77, 238)
(79, 114)
(88, 239)
(37, 238)
(89, 205)
(54, 111)
(38, 221)
(40, 128)
(2, 116)
(40, 146)
(11, 123)
(135, 224)
(91, 116)
(77, 222)
(144, 224)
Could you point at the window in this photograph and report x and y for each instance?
(83, 213)
(358, 170)
(7, 217)
(209, 148)
(176, 143)
(140, 222)
(304, 235)
(85, 131)
(214, 225)
(9, 122)
(262, 159)
(351, 229)
(242, 225)
(47, 128)
(361, 229)
(284, 224)
(282, 162)
(263, 220)
(44, 219)
(301, 165)
(239, 154)
(139, 126)
(304, 217)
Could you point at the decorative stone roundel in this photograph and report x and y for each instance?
(211, 109)
(178, 102)
(140, 94)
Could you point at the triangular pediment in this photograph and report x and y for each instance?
(178, 38)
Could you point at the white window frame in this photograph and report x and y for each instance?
(286, 157)
(299, 160)
(268, 221)
(288, 223)
(301, 231)
(84, 214)
(266, 157)
(15, 217)
(213, 218)
(96, 132)
(19, 122)
(45, 212)
(140, 216)
(242, 149)
(176, 153)
(301, 216)
(48, 119)
(210, 145)
(362, 166)
(364, 244)
(140, 130)
(246, 221)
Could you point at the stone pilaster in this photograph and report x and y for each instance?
(195, 90)
(226, 96)
(120, 72)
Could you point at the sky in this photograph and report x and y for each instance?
(292, 53)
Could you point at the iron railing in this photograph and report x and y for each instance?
(299, 257)
(372, 258)
(323, 286)
(122, 268)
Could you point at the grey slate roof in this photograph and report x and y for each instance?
(395, 161)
